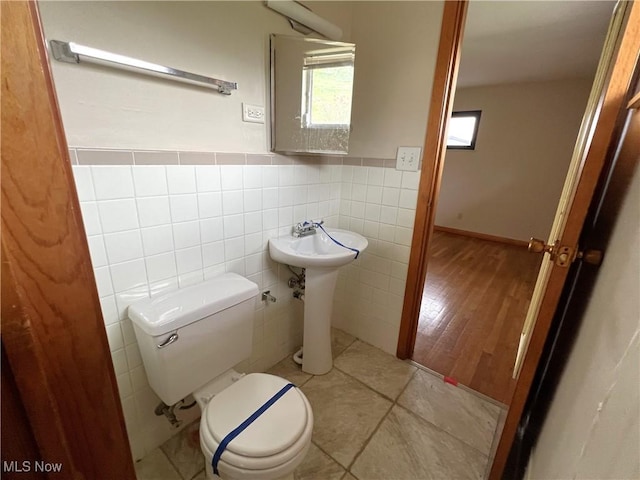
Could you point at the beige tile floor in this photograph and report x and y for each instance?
(376, 417)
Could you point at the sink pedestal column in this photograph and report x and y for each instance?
(320, 284)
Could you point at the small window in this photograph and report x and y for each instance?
(463, 130)
(327, 89)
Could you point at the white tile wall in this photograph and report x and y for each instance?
(157, 228)
(380, 204)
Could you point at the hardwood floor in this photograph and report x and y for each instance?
(474, 304)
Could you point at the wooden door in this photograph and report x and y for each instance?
(53, 337)
(601, 134)
(587, 170)
(569, 191)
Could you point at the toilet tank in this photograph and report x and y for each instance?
(190, 336)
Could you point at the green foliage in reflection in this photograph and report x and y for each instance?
(331, 93)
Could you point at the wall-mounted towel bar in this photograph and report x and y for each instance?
(71, 52)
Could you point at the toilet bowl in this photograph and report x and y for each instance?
(190, 340)
(273, 445)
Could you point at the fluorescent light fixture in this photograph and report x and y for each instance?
(300, 14)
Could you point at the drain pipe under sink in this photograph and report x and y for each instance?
(297, 357)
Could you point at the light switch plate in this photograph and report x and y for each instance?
(408, 158)
(252, 113)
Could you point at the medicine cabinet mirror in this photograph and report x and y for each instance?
(311, 92)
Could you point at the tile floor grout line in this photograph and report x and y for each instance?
(364, 384)
(305, 382)
(348, 468)
(375, 430)
(170, 462)
(199, 472)
(368, 386)
(311, 377)
(352, 377)
(481, 396)
(395, 402)
(441, 429)
(368, 440)
(327, 454)
(431, 372)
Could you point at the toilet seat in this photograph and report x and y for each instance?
(273, 441)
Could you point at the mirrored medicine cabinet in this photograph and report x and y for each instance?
(311, 95)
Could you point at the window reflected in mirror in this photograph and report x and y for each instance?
(311, 95)
(327, 87)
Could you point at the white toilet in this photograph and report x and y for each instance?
(190, 340)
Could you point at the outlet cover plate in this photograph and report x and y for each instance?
(408, 158)
(252, 113)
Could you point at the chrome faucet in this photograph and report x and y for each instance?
(305, 228)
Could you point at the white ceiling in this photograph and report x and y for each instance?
(520, 41)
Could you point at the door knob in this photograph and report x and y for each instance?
(538, 246)
(591, 256)
(563, 255)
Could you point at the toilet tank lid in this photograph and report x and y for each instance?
(170, 311)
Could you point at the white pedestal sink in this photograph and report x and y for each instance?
(321, 257)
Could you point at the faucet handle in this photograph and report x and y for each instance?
(307, 227)
(300, 228)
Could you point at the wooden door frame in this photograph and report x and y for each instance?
(53, 333)
(612, 105)
(440, 108)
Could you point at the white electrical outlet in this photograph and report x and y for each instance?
(252, 113)
(408, 158)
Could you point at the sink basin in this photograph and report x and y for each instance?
(317, 250)
(321, 258)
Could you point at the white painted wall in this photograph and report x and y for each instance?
(396, 47)
(105, 107)
(510, 184)
(395, 59)
(591, 430)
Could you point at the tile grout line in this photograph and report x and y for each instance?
(175, 467)
(384, 417)
(170, 462)
(332, 459)
(360, 381)
(408, 410)
(194, 476)
(415, 414)
(393, 402)
(346, 469)
(412, 413)
(365, 385)
(473, 392)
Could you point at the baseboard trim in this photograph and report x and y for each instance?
(482, 236)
